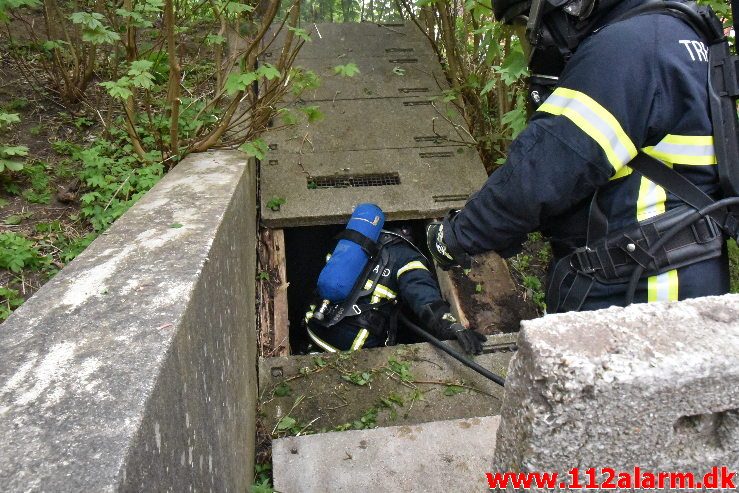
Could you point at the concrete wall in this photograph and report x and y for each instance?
(652, 385)
(134, 369)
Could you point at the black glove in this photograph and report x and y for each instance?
(437, 317)
(440, 251)
(470, 340)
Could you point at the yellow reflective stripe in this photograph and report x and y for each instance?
(328, 257)
(384, 292)
(410, 266)
(309, 314)
(690, 150)
(685, 149)
(321, 343)
(651, 201)
(690, 140)
(375, 299)
(367, 284)
(696, 150)
(663, 287)
(360, 339)
(625, 171)
(595, 121)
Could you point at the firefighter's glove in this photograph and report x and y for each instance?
(443, 257)
(437, 317)
(470, 340)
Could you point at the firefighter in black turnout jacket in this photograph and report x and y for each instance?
(628, 82)
(405, 278)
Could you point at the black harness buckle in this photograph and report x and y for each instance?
(582, 257)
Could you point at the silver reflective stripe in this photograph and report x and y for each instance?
(684, 149)
(622, 153)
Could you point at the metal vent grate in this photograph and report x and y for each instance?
(373, 180)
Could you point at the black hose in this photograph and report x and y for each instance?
(687, 221)
(451, 352)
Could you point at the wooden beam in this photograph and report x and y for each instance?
(274, 333)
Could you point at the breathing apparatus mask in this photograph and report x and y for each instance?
(550, 31)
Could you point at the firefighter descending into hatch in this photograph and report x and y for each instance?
(370, 273)
(618, 158)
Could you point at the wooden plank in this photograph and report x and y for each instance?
(280, 322)
(274, 332)
(451, 295)
(485, 298)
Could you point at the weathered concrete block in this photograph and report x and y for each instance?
(367, 124)
(343, 41)
(417, 184)
(378, 77)
(655, 386)
(134, 368)
(439, 457)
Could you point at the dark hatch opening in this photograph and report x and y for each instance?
(305, 255)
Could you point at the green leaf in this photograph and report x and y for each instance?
(488, 87)
(268, 71)
(313, 113)
(214, 39)
(348, 70)
(515, 120)
(451, 390)
(263, 486)
(10, 165)
(513, 68)
(89, 197)
(93, 30)
(287, 117)
(239, 82)
(238, 8)
(14, 151)
(118, 89)
(275, 203)
(399, 71)
(257, 148)
(303, 80)
(7, 119)
(175, 225)
(286, 423)
(136, 18)
(139, 74)
(282, 390)
(300, 33)
(13, 220)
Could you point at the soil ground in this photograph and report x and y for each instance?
(43, 210)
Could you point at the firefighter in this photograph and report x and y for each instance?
(628, 82)
(403, 277)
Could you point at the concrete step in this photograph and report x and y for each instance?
(400, 385)
(441, 456)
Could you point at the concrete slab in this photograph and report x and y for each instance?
(404, 385)
(134, 368)
(369, 124)
(442, 456)
(379, 77)
(653, 385)
(337, 40)
(424, 190)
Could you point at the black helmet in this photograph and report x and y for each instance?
(554, 28)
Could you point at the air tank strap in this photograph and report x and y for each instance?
(370, 247)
